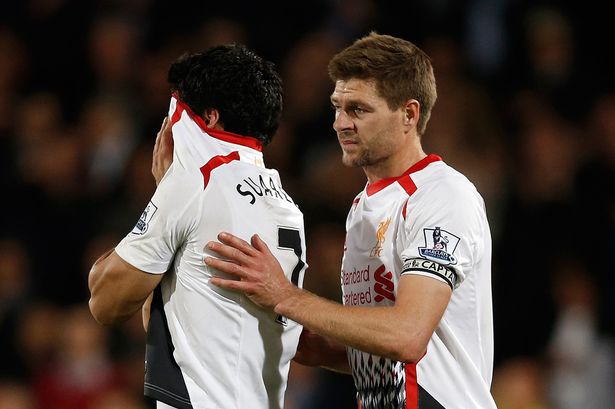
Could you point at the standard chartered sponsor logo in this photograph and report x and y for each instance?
(355, 276)
(358, 288)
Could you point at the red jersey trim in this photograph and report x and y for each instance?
(225, 136)
(420, 165)
(408, 184)
(215, 162)
(412, 387)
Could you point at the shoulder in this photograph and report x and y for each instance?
(440, 179)
(443, 190)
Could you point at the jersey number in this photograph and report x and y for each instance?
(290, 239)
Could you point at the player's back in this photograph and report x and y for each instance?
(229, 353)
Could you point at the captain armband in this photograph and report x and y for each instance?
(430, 267)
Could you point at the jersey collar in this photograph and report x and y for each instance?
(376, 187)
(237, 139)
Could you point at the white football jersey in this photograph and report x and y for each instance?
(430, 221)
(209, 347)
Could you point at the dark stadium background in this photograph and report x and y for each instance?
(526, 110)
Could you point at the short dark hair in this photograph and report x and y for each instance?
(244, 88)
(401, 70)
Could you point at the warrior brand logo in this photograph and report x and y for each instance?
(439, 246)
(384, 285)
(143, 223)
(380, 233)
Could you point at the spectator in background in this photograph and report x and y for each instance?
(520, 383)
(581, 356)
(80, 371)
(594, 198)
(16, 395)
(538, 203)
(15, 293)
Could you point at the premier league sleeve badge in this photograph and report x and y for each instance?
(439, 246)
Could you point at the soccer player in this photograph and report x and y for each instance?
(208, 347)
(416, 325)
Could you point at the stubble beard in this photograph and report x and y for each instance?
(359, 160)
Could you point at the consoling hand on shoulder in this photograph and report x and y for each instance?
(260, 275)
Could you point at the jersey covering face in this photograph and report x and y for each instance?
(209, 347)
(430, 221)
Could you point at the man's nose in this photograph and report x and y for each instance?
(342, 122)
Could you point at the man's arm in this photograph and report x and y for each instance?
(118, 290)
(162, 157)
(400, 332)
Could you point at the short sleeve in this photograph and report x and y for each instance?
(164, 225)
(439, 233)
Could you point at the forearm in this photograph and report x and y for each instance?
(383, 331)
(400, 332)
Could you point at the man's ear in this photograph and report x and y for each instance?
(212, 118)
(411, 113)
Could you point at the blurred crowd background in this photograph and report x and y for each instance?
(526, 109)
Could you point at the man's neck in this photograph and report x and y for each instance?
(394, 166)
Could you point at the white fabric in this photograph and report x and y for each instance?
(391, 231)
(232, 354)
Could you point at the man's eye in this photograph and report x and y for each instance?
(358, 110)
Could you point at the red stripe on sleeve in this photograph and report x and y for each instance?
(408, 184)
(214, 163)
(412, 387)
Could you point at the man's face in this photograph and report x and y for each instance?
(367, 130)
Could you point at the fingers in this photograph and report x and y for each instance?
(237, 243)
(260, 245)
(158, 136)
(162, 156)
(225, 266)
(233, 285)
(229, 253)
(166, 133)
(164, 137)
(236, 253)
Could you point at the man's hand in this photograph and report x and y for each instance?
(260, 275)
(163, 151)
